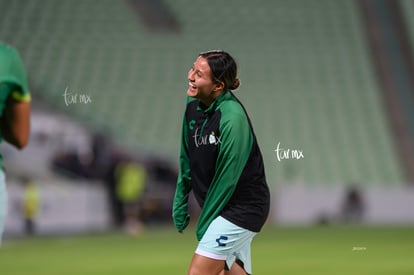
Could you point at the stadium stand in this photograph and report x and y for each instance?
(407, 8)
(387, 36)
(408, 11)
(307, 78)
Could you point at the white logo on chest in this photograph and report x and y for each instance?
(206, 139)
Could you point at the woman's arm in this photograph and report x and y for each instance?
(180, 214)
(15, 118)
(15, 123)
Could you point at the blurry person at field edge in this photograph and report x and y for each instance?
(14, 112)
(353, 206)
(130, 184)
(30, 206)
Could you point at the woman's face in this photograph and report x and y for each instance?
(200, 83)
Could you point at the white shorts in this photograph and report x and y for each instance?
(3, 202)
(226, 241)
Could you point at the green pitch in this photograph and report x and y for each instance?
(319, 250)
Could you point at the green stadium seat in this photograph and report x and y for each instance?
(307, 78)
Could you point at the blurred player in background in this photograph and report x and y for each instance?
(221, 162)
(30, 206)
(14, 112)
(131, 178)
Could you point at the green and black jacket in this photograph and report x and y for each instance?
(222, 163)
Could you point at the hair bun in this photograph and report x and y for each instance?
(236, 84)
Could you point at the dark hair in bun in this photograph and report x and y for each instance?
(223, 68)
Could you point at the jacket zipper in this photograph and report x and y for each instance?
(202, 127)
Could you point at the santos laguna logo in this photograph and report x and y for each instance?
(206, 139)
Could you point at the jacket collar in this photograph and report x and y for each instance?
(223, 96)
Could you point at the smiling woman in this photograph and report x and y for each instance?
(212, 73)
(221, 162)
(200, 85)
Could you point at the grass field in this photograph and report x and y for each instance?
(318, 250)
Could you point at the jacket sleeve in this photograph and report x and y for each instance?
(180, 214)
(14, 74)
(236, 141)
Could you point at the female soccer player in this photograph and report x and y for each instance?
(14, 111)
(221, 162)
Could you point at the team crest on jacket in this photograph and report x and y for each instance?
(206, 139)
(212, 138)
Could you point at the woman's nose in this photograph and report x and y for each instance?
(191, 75)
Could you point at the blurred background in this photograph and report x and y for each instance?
(331, 79)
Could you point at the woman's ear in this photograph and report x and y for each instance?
(219, 86)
